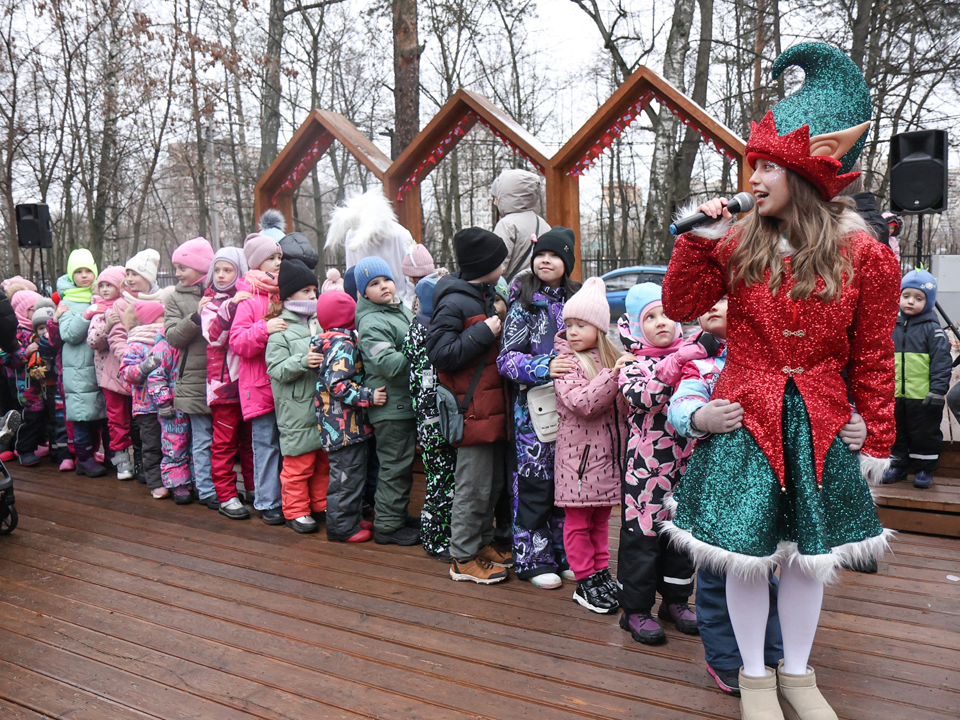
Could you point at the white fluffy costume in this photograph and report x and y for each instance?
(366, 226)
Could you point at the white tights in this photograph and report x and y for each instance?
(798, 603)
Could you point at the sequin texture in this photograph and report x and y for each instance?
(730, 497)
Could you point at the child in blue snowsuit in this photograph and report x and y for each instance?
(713, 621)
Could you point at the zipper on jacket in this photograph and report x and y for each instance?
(583, 467)
(903, 361)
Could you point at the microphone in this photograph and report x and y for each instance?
(741, 202)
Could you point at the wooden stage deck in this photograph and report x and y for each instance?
(116, 606)
(935, 511)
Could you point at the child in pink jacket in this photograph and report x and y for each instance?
(176, 467)
(116, 393)
(143, 323)
(590, 443)
(248, 339)
(231, 433)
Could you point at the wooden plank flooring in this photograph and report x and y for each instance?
(116, 606)
(935, 511)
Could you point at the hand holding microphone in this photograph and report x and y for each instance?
(710, 211)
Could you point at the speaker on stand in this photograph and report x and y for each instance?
(918, 176)
(33, 231)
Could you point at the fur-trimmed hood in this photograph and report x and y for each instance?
(363, 221)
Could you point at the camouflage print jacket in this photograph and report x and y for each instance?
(341, 397)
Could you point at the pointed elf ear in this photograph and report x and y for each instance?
(837, 144)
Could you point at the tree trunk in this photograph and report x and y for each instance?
(108, 144)
(270, 94)
(691, 139)
(406, 72)
(659, 196)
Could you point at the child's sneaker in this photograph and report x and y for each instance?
(893, 475)
(183, 494)
(608, 582)
(8, 430)
(68, 465)
(42, 451)
(477, 570)
(121, 461)
(8, 455)
(303, 525)
(644, 628)
(234, 509)
(592, 595)
(727, 680)
(569, 574)
(159, 493)
(681, 616)
(923, 480)
(546, 581)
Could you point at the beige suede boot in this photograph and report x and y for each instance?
(801, 697)
(758, 697)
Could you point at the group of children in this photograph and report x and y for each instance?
(315, 394)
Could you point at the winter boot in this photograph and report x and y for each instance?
(182, 494)
(644, 628)
(609, 584)
(234, 509)
(401, 536)
(802, 698)
(29, 459)
(90, 468)
(923, 480)
(758, 697)
(42, 451)
(303, 525)
(68, 465)
(893, 475)
(496, 556)
(9, 425)
(681, 616)
(478, 570)
(121, 461)
(546, 581)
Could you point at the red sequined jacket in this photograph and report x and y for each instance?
(773, 338)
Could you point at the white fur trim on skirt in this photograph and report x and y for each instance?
(873, 468)
(823, 567)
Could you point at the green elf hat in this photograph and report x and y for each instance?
(820, 130)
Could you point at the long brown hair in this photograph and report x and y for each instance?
(820, 231)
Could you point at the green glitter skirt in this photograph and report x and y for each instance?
(732, 515)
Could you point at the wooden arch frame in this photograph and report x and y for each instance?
(612, 119)
(450, 125)
(299, 156)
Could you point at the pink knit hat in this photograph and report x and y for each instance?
(18, 280)
(257, 248)
(418, 262)
(23, 303)
(590, 305)
(113, 274)
(149, 312)
(333, 282)
(196, 254)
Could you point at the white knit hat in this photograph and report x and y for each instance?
(145, 263)
(590, 305)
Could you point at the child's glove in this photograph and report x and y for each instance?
(934, 400)
(709, 344)
(93, 310)
(166, 411)
(148, 365)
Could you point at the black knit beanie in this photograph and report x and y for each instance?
(479, 252)
(294, 277)
(561, 242)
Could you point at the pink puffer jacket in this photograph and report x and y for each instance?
(592, 436)
(248, 339)
(106, 362)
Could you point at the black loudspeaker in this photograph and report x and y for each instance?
(918, 172)
(33, 226)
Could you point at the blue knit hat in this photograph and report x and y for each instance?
(639, 297)
(920, 279)
(424, 290)
(350, 282)
(368, 269)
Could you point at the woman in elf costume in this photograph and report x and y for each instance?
(811, 293)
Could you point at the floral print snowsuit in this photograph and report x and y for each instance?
(524, 360)
(656, 458)
(439, 457)
(175, 468)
